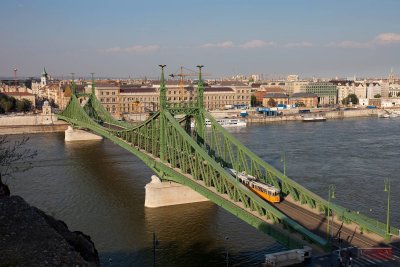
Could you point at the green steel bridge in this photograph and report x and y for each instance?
(197, 158)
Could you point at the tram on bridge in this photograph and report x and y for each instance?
(264, 190)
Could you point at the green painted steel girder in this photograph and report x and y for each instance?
(163, 143)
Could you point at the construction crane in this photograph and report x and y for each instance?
(182, 76)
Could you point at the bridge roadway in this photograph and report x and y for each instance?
(317, 223)
(310, 219)
(350, 234)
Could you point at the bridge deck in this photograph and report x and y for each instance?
(349, 233)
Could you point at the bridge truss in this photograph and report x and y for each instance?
(197, 158)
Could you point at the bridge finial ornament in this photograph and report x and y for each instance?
(200, 89)
(163, 89)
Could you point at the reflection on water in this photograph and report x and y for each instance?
(98, 188)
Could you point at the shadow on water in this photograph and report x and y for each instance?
(197, 254)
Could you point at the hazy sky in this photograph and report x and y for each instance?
(273, 38)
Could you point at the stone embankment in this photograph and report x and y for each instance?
(337, 114)
(30, 237)
(30, 123)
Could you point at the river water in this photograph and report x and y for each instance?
(98, 188)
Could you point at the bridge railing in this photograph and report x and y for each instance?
(184, 159)
(243, 159)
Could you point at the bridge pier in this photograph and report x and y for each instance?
(160, 194)
(72, 134)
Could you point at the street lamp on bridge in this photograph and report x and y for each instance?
(387, 189)
(331, 195)
(283, 159)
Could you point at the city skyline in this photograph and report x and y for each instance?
(122, 39)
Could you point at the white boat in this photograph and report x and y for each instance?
(317, 117)
(225, 123)
(385, 116)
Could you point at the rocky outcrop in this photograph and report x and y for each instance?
(30, 237)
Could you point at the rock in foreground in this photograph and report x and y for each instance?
(29, 237)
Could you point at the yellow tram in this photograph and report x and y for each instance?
(263, 190)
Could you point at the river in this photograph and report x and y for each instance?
(98, 188)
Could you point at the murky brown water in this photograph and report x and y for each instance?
(98, 188)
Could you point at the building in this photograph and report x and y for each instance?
(373, 89)
(121, 99)
(390, 102)
(308, 100)
(260, 94)
(22, 95)
(344, 88)
(394, 90)
(292, 78)
(43, 78)
(326, 91)
(294, 86)
(278, 98)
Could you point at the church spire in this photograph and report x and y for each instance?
(44, 73)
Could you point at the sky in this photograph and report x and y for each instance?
(310, 38)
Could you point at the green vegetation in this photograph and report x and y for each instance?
(351, 98)
(253, 101)
(12, 154)
(271, 102)
(377, 96)
(10, 104)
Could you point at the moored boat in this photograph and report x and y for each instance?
(227, 122)
(312, 118)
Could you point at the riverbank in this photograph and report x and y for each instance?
(31, 129)
(30, 237)
(30, 123)
(337, 114)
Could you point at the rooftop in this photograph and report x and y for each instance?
(295, 95)
(275, 95)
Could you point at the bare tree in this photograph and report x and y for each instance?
(13, 158)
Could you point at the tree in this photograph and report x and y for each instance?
(271, 102)
(6, 105)
(12, 153)
(350, 98)
(253, 101)
(19, 106)
(377, 96)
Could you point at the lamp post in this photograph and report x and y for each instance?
(283, 159)
(387, 189)
(331, 195)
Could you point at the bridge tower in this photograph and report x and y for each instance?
(200, 120)
(163, 105)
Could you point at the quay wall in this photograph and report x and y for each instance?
(339, 114)
(34, 123)
(30, 129)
